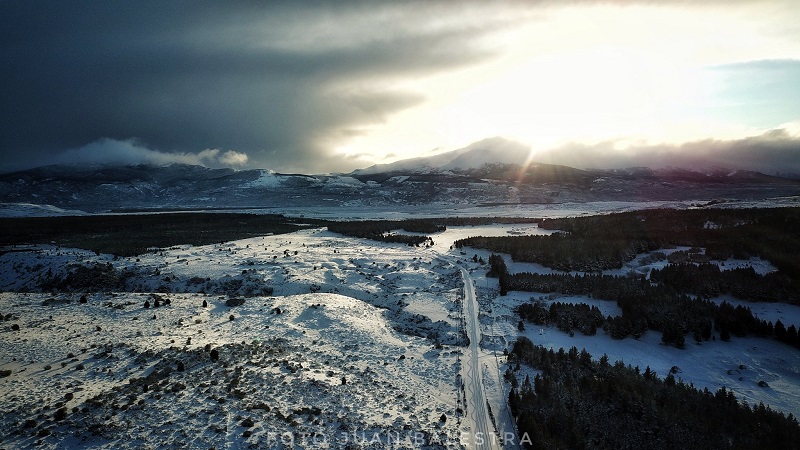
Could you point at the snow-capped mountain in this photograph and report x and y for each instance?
(488, 151)
(492, 171)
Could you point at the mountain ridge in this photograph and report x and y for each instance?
(474, 175)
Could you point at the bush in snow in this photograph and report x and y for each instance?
(60, 414)
(231, 302)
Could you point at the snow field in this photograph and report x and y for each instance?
(290, 360)
(367, 313)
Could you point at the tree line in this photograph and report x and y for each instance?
(380, 230)
(602, 242)
(708, 280)
(645, 305)
(576, 402)
(136, 234)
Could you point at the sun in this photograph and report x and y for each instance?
(590, 96)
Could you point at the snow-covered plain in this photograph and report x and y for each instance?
(356, 209)
(339, 342)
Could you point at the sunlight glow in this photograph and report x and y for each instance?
(600, 74)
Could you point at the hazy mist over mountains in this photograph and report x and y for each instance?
(489, 172)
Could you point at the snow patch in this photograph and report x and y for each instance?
(36, 210)
(266, 180)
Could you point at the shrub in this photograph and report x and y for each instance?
(240, 394)
(214, 355)
(234, 302)
(60, 414)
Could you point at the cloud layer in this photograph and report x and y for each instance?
(110, 151)
(775, 152)
(322, 87)
(275, 80)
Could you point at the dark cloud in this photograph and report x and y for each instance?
(775, 152)
(276, 81)
(279, 82)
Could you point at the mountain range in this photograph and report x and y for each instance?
(490, 172)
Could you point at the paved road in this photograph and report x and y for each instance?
(478, 431)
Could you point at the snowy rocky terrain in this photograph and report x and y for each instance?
(334, 339)
(301, 340)
(307, 337)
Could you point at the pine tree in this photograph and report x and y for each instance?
(780, 330)
(791, 335)
(724, 334)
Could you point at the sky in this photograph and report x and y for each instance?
(320, 87)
